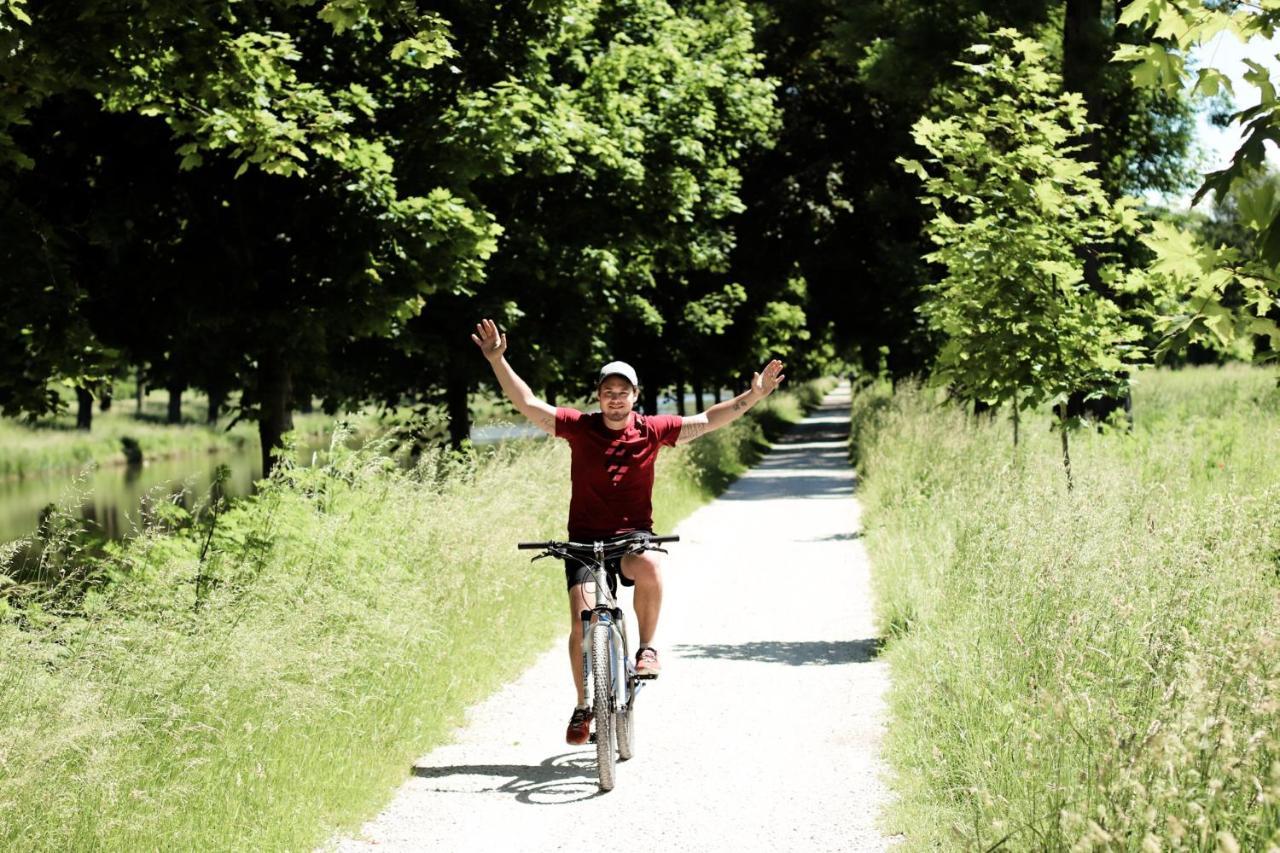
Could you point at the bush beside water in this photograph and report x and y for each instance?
(258, 686)
(1095, 669)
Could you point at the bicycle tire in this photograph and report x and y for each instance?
(627, 733)
(602, 683)
(626, 715)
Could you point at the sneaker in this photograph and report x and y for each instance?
(647, 665)
(579, 727)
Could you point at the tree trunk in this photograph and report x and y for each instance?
(305, 404)
(175, 402)
(1087, 43)
(217, 399)
(458, 407)
(104, 402)
(84, 409)
(1086, 46)
(697, 392)
(141, 392)
(550, 394)
(275, 418)
(680, 397)
(1066, 446)
(715, 392)
(649, 398)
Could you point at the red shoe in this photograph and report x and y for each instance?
(579, 730)
(647, 665)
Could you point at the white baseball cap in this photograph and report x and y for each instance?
(619, 368)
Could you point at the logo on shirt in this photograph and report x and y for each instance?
(616, 449)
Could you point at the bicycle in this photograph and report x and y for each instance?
(608, 671)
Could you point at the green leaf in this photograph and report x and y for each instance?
(913, 167)
(1260, 77)
(1222, 326)
(1209, 82)
(1170, 24)
(1269, 242)
(1177, 252)
(1140, 11)
(1267, 327)
(1257, 205)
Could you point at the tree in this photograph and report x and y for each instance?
(293, 236)
(1012, 211)
(607, 149)
(828, 201)
(1228, 295)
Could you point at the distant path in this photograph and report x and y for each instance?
(763, 732)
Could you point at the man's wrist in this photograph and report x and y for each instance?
(744, 401)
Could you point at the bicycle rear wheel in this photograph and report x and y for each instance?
(602, 688)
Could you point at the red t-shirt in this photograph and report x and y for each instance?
(612, 472)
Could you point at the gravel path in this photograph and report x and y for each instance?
(762, 733)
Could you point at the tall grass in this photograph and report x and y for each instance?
(264, 681)
(1095, 669)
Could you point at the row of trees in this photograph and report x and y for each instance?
(292, 199)
(296, 201)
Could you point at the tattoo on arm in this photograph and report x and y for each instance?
(691, 430)
(740, 404)
(547, 424)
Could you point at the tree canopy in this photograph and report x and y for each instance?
(296, 200)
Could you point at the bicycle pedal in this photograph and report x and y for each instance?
(646, 676)
(592, 739)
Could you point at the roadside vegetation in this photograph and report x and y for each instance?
(1096, 668)
(261, 677)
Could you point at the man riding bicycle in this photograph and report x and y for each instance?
(611, 473)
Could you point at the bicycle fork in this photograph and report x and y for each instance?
(625, 685)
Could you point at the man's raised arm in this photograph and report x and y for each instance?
(763, 384)
(493, 344)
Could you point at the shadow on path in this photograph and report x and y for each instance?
(566, 778)
(793, 653)
(838, 537)
(810, 461)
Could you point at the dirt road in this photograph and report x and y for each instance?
(762, 733)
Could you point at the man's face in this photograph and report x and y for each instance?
(617, 398)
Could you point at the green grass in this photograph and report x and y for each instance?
(350, 611)
(1095, 669)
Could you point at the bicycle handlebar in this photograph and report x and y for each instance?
(590, 546)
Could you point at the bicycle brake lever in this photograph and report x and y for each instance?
(537, 558)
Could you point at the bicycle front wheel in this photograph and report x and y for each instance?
(626, 733)
(602, 688)
(625, 715)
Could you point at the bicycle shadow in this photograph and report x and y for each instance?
(792, 653)
(560, 779)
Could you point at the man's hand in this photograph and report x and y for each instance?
(768, 380)
(491, 342)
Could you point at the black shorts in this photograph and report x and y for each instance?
(575, 572)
